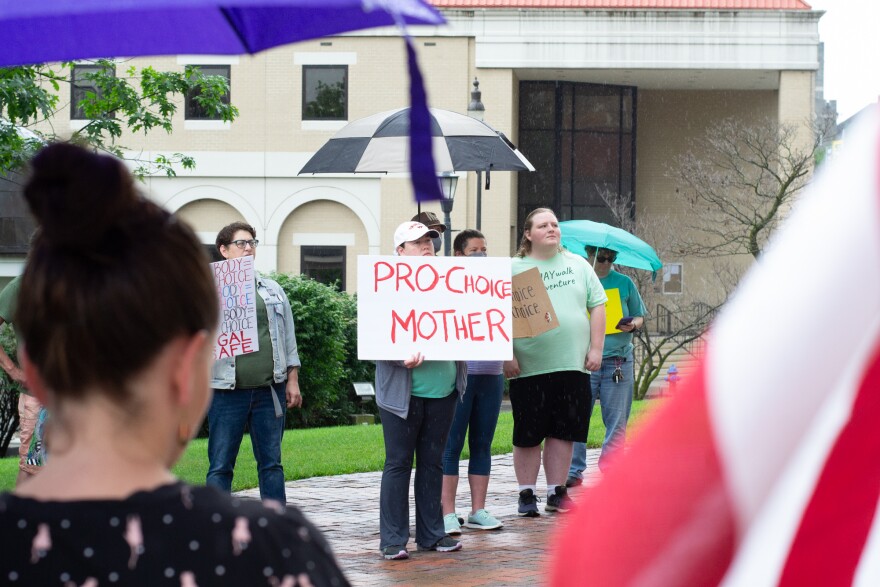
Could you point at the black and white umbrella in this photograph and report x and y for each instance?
(380, 144)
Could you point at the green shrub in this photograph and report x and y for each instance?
(9, 392)
(326, 336)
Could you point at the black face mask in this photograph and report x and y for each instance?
(438, 242)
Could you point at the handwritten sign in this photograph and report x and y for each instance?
(447, 308)
(532, 309)
(238, 307)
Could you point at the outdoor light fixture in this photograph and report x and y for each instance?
(476, 108)
(477, 111)
(448, 181)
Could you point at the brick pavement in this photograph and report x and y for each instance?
(346, 509)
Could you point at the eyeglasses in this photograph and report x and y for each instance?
(243, 243)
(604, 259)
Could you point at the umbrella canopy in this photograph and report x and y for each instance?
(59, 30)
(631, 250)
(379, 144)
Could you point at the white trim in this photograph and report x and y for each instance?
(324, 239)
(323, 125)
(324, 58)
(207, 238)
(206, 125)
(207, 60)
(11, 267)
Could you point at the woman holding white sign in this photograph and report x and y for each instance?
(416, 400)
(550, 373)
(476, 415)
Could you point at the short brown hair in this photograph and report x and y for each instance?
(224, 237)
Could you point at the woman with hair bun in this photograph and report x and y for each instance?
(118, 311)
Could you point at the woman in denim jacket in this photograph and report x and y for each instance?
(254, 388)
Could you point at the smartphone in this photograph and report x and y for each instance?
(624, 320)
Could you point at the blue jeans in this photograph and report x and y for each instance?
(615, 400)
(423, 435)
(230, 411)
(478, 411)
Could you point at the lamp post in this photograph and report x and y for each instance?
(476, 110)
(448, 181)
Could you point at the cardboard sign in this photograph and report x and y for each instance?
(238, 307)
(533, 312)
(447, 308)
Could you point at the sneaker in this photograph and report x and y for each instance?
(559, 501)
(451, 524)
(528, 504)
(574, 482)
(445, 544)
(395, 553)
(482, 520)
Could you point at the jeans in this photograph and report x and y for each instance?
(615, 400)
(422, 434)
(478, 411)
(229, 412)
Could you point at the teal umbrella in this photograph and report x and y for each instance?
(631, 250)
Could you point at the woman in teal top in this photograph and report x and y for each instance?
(416, 400)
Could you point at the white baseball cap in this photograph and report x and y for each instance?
(411, 231)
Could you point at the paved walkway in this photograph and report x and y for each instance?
(346, 509)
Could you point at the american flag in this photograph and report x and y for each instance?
(765, 468)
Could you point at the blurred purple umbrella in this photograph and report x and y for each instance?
(58, 30)
(40, 31)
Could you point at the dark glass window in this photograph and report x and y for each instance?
(16, 222)
(81, 86)
(324, 264)
(194, 110)
(325, 92)
(581, 140)
(213, 254)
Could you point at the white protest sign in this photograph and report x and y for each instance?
(447, 308)
(238, 307)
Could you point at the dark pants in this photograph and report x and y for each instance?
(230, 411)
(422, 434)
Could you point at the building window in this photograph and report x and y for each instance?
(324, 264)
(16, 222)
(193, 109)
(672, 279)
(325, 92)
(581, 138)
(81, 85)
(212, 252)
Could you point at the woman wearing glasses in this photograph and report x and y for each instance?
(254, 388)
(118, 311)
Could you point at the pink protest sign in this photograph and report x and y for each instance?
(238, 307)
(447, 308)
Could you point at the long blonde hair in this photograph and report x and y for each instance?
(525, 245)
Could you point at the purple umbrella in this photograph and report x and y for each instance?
(39, 31)
(57, 30)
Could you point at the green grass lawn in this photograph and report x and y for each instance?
(318, 452)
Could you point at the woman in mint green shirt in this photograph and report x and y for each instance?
(416, 400)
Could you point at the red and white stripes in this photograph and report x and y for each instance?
(765, 470)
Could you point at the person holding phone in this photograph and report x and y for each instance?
(612, 384)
